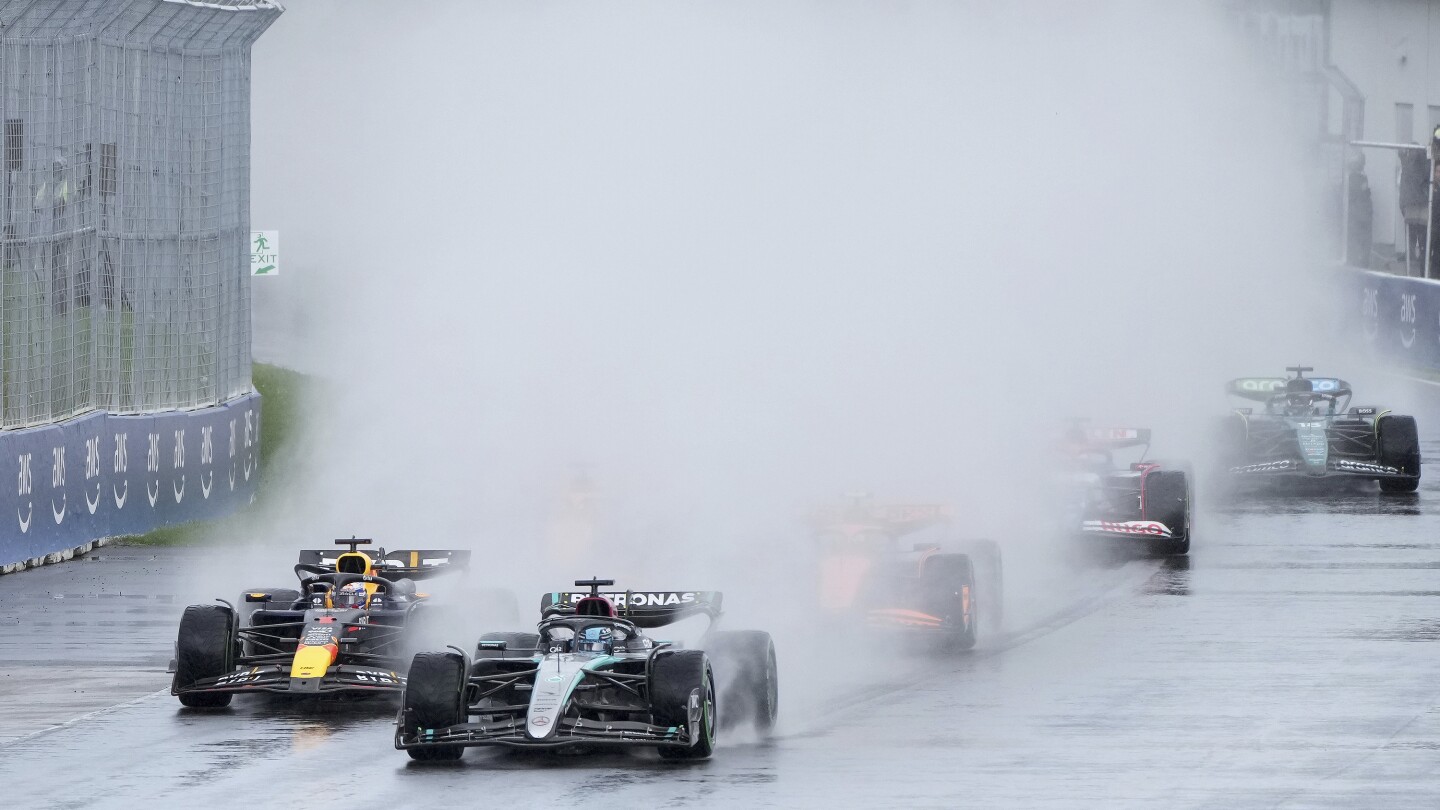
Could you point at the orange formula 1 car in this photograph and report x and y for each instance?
(937, 587)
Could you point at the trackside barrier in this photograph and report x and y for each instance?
(1399, 317)
(65, 488)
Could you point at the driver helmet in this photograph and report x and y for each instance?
(352, 595)
(598, 639)
(1299, 405)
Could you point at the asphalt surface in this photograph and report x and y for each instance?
(1291, 663)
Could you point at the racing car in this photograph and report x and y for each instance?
(350, 627)
(1306, 430)
(924, 591)
(1144, 505)
(590, 676)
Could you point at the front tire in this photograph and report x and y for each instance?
(434, 698)
(204, 648)
(675, 679)
(1399, 445)
(1167, 500)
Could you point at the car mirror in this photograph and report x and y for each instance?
(257, 597)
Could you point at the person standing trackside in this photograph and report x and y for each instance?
(1360, 213)
(1414, 202)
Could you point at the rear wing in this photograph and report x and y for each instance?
(1261, 389)
(1117, 438)
(645, 609)
(402, 564)
(896, 518)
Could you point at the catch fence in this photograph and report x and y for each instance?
(124, 258)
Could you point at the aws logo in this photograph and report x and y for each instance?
(121, 464)
(26, 486)
(1407, 319)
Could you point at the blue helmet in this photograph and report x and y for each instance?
(598, 639)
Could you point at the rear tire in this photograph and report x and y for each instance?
(204, 648)
(986, 560)
(1167, 500)
(674, 679)
(517, 645)
(435, 698)
(749, 677)
(947, 590)
(1399, 447)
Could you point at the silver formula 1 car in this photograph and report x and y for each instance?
(590, 676)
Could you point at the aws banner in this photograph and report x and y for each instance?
(1399, 317)
(102, 475)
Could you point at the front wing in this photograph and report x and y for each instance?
(509, 731)
(1126, 530)
(1334, 468)
(276, 678)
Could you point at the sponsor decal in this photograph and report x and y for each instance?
(57, 481)
(178, 463)
(1150, 527)
(26, 484)
(249, 442)
(1363, 411)
(1263, 385)
(540, 721)
(1113, 434)
(152, 466)
(122, 463)
(1269, 466)
(554, 679)
(1407, 319)
(642, 599)
(207, 456)
(232, 455)
(1348, 465)
(239, 677)
(318, 635)
(92, 471)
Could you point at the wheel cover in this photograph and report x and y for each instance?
(709, 717)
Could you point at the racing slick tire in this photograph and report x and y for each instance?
(517, 645)
(675, 677)
(1399, 445)
(749, 679)
(1167, 500)
(204, 648)
(947, 590)
(435, 698)
(989, 567)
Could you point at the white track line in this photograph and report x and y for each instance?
(82, 718)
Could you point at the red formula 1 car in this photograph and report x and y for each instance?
(935, 588)
(1145, 504)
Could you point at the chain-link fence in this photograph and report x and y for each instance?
(124, 284)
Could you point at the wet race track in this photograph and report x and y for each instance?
(1294, 662)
